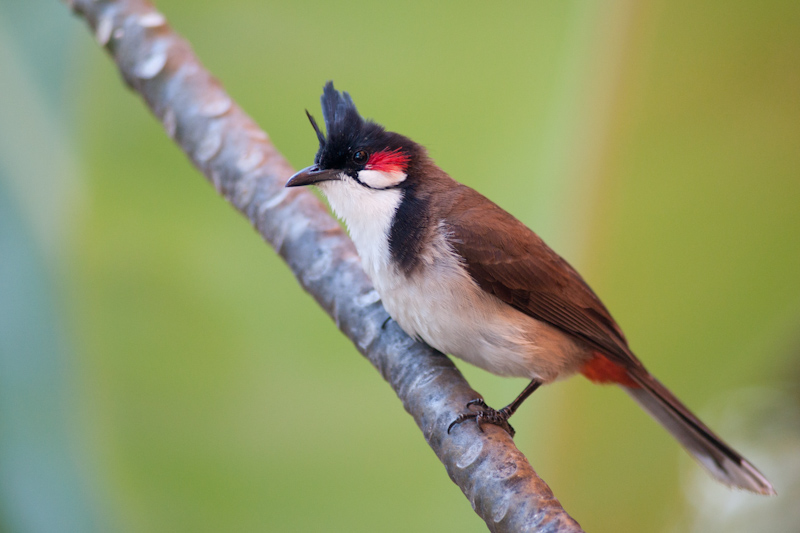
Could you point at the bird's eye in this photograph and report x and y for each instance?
(360, 157)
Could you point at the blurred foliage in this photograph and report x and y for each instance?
(655, 144)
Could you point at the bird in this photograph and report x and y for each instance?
(458, 272)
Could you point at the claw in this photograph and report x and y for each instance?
(479, 402)
(486, 415)
(461, 418)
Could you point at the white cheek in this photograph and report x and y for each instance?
(381, 180)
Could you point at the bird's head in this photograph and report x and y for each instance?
(356, 150)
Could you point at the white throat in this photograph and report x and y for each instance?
(368, 215)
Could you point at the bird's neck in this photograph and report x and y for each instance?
(368, 215)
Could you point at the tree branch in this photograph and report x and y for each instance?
(237, 157)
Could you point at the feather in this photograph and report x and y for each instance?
(526, 274)
(320, 136)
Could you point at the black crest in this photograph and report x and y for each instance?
(348, 132)
(346, 128)
(341, 116)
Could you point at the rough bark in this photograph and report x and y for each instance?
(237, 157)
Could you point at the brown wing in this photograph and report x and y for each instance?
(511, 262)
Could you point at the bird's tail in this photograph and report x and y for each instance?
(722, 461)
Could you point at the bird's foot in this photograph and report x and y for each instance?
(485, 415)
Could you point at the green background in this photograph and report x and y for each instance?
(163, 371)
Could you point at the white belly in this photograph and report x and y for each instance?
(443, 306)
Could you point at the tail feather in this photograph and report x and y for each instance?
(722, 461)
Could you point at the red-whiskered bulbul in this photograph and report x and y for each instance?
(460, 273)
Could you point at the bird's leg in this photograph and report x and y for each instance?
(487, 415)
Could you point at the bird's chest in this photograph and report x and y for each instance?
(432, 301)
(428, 302)
(439, 303)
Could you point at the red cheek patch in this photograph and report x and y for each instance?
(388, 161)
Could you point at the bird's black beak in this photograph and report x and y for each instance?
(311, 175)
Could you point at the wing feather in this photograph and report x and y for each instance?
(510, 261)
